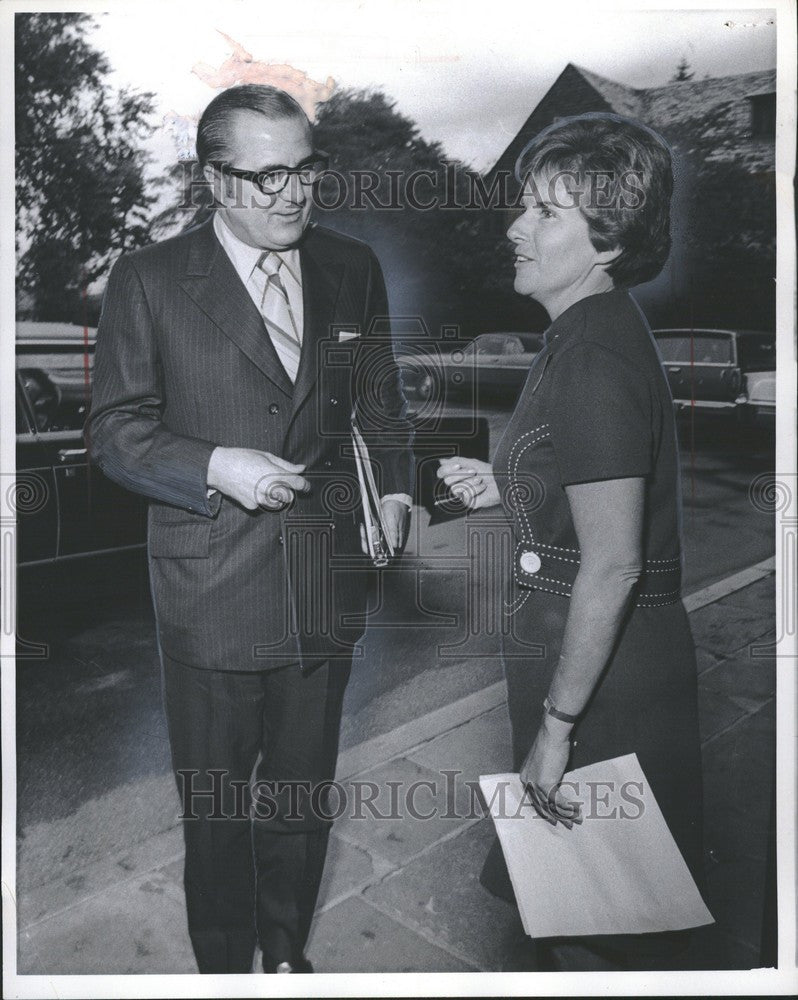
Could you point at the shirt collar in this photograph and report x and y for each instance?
(574, 316)
(245, 257)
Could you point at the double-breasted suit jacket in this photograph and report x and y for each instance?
(184, 364)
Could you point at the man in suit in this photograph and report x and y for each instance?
(229, 361)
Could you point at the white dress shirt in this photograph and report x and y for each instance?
(244, 259)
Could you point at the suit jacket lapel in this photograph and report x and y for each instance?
(321, 283)
(214, 285)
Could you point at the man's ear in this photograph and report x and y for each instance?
(217, 182)
(214, 179)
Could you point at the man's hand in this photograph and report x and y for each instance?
(471, 481)
(255, 478)
(395, 514)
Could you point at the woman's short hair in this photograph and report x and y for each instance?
(624, 176)
(213, 130)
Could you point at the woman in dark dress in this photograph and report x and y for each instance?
(588, 473)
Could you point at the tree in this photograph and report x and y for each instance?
(683, 72)
(81, 190)
(439, 260)
(725, 213)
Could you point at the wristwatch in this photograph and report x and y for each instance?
(555, 713)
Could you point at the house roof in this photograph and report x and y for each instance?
(623, 100)
(676, 101)
(577, 90)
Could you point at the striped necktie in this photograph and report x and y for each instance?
(278, 316)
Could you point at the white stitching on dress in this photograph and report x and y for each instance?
(561, 558)
(518, 603)
(648, 562)
(559, 548)
(549, 590)
(516, 445)
(514, 458)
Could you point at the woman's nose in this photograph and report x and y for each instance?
(519, 230)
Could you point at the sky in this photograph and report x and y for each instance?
(468, 73)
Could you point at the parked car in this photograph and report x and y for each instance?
(66, 508)
(729, 371)
(494, 364)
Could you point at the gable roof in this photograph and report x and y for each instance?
(675, 101)
(577, 90)
(622, 99)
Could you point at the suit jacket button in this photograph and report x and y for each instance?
(273, 408)
(530, 562)
(279, 539)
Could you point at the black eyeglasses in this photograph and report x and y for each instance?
(273, 181)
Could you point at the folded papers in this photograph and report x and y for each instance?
(618, 872)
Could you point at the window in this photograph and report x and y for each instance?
(55, 382)
(700, 348)
(763, 116)
(506, 344)
(757, 352)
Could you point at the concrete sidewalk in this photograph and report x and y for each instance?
(402, 894)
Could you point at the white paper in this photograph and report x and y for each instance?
(618, 872)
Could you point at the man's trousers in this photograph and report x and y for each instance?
(253, 754)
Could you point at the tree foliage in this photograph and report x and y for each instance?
(440, 261)
(683, 72)
(726, 201)
(81, 189)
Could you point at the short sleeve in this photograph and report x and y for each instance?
(599, 416)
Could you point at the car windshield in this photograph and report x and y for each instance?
(701, 348)
(57, 382)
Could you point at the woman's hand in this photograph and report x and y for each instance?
(542, 773)
(471, 481)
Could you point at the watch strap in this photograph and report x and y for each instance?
(555, 713)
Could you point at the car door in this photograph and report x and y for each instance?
(531, 346)
(94, 514)
(714, 372)
(505, 362)
(701, 365)
(508, 362)
(36, 498)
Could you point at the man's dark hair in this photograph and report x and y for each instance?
(214, 125)
(632, 165)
